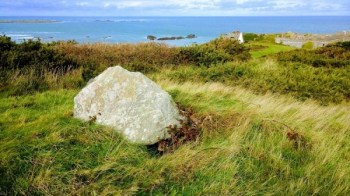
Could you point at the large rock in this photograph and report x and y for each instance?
(129, 102)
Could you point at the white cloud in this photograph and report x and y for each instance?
(279, 4)
(84, 3)
(185, 4)
(326, 6)
(240, 2)
(124, 4)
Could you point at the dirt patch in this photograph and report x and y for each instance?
(299, 141)
(189, 131)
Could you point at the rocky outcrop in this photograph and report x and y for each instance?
(152, 37)
(170, 38)
(129, 102)
(191, 36)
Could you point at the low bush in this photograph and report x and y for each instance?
(32, 66)
(335, 55)
(345, 45)
(144, 57)
(308, 45)
(150, 57)
(248, 37)
(324, 84)
(32, 55)
(218, 51)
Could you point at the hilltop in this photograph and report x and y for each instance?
(274, 120)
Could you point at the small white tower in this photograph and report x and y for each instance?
(240, 38)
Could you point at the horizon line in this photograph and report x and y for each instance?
(174, 16)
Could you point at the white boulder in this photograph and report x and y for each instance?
(129, 102)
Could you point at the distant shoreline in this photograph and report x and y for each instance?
(29, 21)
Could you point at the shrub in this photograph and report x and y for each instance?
(218, 51)
(24, 67)
(248, 37)
(308, 45)
(89, 72)
(334, 55)
(136, 57)
(32, 55)
(6, 43)
(345, 45)
(324, 84)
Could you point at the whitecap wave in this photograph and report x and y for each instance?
(20, 36)
(24, 38)
(17, 35)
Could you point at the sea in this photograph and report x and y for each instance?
(136, 29)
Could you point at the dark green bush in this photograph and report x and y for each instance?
(6, 43)
(33, 60)
(248, 37)
(89, 71)
(33, 55)
(345, 45)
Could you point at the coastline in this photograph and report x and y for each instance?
(28, 21)
(135, 29)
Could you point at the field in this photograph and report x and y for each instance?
(272, 122)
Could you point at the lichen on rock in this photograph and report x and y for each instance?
(129, 102)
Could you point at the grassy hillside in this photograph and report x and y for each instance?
(269, 125)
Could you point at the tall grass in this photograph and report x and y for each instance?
(270, 161)
(29, 81)
(251, 144)
(302, 81)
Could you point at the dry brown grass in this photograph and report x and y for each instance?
(132, 55)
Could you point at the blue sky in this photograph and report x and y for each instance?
(173, 7)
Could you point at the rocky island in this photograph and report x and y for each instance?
(152, 37)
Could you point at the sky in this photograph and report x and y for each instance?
(174, 7)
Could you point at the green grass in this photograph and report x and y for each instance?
(265, 48)
(244, 149)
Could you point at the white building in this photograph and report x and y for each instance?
(237, 35)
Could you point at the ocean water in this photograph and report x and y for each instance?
(136, 29)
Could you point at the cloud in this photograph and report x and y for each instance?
(175, 7)
(184, 4)
(240, 2)
(288, 4)
(327, 6)
(84, 3)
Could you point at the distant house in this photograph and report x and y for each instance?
(236, 35)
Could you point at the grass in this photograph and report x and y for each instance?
(261, 49)
(245, 147)
(324, 84)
